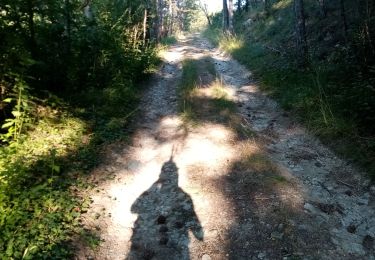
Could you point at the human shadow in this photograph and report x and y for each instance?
(165, 217)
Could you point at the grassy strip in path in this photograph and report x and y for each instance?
(203, 99)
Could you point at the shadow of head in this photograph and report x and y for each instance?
(169, 173)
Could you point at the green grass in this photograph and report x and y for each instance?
(188, 84)
(170, 40)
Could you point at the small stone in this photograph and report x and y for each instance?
(368, 242)
(326, 208)
(261, 255)
(277, 235)
(163, 240)
(206, 257)
(318, 164)
(133, 165)
(372, 189)
(362, 201)
(351, 228)
(179, 224)
(161, 220)
(163, 229)
(309, 207)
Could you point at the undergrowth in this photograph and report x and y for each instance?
(49, 147)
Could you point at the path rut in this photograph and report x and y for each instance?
(181, 192)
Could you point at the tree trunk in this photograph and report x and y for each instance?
(68, 24)
(267, 7)
(144, 26)
(301, 41)
(159, 20)
(172, 8)
(225, 16)
(322, 8)
(230, 16)
(239, 5)
(31, 25)
(247, 3)
(206, 13)
(344, 21)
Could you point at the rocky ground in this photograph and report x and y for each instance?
(206, 191)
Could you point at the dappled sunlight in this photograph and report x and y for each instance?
(212, 159)
(231, 44)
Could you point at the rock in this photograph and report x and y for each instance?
(163, 240)
(163, 229)
(318, 164)
(261, 255)
(327, 208)
(362, 201)
(133, 165)
(161, 220)
(349, 243)
(309, 207)
(206, 257)
(372, 189)
(351, 228)
(368, 242)
(179, 224)
(277, 235)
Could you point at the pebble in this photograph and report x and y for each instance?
(261, 255)
(206, 257)
(309, 207)
(277, 235)
(372, 189)
(318, 164)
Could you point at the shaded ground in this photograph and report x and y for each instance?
(237, 180)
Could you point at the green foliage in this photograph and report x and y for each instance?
(68, 86)
(168, 40)
(37, 209)
(189, 81)
(20, 112)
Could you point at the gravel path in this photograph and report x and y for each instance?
(181, 192)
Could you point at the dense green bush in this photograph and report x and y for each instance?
(65, 77)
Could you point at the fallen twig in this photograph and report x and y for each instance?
(346, 184)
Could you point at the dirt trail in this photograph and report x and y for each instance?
(181, 192)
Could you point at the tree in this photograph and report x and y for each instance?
(204, 8)
(300, 28)
(247, 4)
(228, 16)
(239, 5)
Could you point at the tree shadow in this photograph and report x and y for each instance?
(165, 216)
